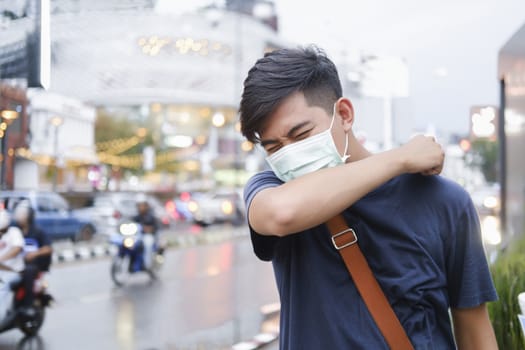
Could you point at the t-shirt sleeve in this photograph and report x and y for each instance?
(469, 279)
(43, 239)
(16, 237)
(263, 245)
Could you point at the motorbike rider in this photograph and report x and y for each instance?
(147, 220)
(11, 259)
(37, 250)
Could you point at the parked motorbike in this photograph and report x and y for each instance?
(130, 259)
(18, 317)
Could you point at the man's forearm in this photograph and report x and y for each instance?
(44, 251)
(314, 198)
(473, 330)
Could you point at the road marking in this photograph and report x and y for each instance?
(69, 252)
(93, 298)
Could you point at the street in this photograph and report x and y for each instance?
(206, 297)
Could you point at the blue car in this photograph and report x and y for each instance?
(52, 214)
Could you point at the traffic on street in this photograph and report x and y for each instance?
(198, 300)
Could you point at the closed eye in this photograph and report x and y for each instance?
(303, 134)
(273, 148)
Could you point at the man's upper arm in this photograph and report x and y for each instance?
(257, 184)
(263, 245)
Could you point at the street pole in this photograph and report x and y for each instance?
(387, 122)
(56, 121)
(4, 161)
(237, 62)
(55, 156)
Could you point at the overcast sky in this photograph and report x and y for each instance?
(451, 46)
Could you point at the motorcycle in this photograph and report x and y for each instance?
(18, 317)
(130, 257)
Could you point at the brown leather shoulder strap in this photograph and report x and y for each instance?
(345, 241)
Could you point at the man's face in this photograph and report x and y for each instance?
(294, 120)
(142, 208)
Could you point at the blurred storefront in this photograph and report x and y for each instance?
(14, 128)
(61, 148)
(511, 67)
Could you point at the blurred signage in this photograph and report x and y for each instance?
(484, 122)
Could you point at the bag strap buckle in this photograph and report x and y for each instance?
(344, 244)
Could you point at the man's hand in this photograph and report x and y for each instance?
(30, 256)
(422, 154)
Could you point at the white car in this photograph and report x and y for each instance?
(217, 207)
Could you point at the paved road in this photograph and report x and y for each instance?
(207, 297)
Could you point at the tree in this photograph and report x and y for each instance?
(109, 127)
(485, 157)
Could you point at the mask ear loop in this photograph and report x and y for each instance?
(345, 156)
(333, 116)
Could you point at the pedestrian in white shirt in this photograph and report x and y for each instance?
(11, 259)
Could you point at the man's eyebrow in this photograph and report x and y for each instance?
(289, 134)
(293, 130)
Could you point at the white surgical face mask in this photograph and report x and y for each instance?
(308, 155)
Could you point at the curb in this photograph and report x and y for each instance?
(264, 338)
(87, 252)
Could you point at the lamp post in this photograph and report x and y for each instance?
(56, 121)
(8, 116)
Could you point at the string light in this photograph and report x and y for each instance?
(153, 46)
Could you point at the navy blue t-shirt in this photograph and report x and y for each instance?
(421, 237)
(34, 240)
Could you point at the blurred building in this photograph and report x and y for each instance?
(179, 75)
(511, 67)
(378, 86)
(62, 143)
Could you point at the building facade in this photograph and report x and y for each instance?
(178, 75)
(511, 67)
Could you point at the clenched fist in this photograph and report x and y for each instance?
(422, 154)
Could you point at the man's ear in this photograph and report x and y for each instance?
(345, 109)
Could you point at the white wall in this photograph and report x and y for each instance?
(26, 175)
(75, 137)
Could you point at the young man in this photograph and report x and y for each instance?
(147, 220)
(419, 234)
(11, 259)
(37, 250)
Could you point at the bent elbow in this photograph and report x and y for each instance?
(274, 215)
(282, 221)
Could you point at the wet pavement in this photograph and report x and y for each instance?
(207, 297)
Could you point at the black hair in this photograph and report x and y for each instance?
(280, 74)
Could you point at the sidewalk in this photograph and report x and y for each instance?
(268, 337)
(178, 237)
